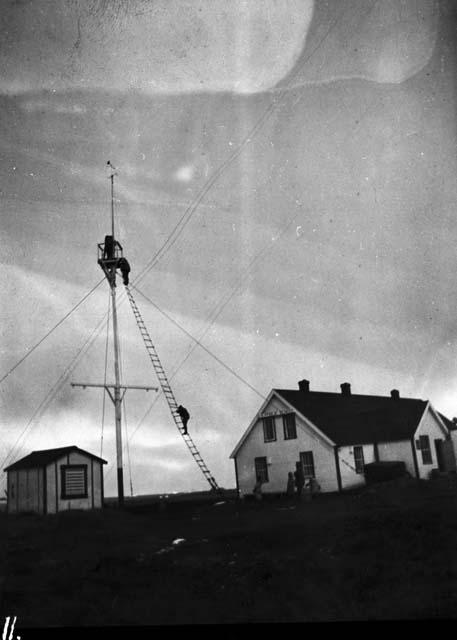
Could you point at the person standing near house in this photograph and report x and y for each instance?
(290, 485)
(299, 479)
(313, 486)
(257, 491)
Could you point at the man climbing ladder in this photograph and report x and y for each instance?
(179, 413)
(184, 415)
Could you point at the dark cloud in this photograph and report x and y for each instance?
(323, 250)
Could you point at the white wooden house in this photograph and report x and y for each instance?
(55, 480)
(334, 435)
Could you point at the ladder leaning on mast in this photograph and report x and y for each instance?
(168, 393)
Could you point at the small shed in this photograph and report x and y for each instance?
(54, 480)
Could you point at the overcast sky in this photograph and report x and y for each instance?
(301, 154)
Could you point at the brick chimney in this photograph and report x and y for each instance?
(303, 385)
(345, 389)
(395, 394)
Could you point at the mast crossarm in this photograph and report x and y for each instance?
(113, 386)
(108, 388)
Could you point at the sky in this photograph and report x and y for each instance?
(285, 193)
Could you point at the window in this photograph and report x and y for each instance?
(269, 429)
(440, 454)
(290, 428)
(307, 460)
(358, 459)
(261, 469)
(425, 449)
(74, 481)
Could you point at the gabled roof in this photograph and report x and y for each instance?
(358, 419)
(46, 456)
(452, 426)
(353, 419)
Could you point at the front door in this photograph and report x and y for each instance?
(439, 454)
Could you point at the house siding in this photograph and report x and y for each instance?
(283, 454)
(402, 450)
(98, 485)
(350, 479)
(13, 485)
(335, 465)
(398, 451)
(453, 439)
(26, 485)
(76, 457)
(51, 495)
(429, 426)
(39, 489)
(449, 455)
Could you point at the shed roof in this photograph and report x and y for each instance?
(46, 456)
(358, 419)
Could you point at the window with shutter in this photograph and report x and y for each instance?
(290, 428)
(269, 429)
(74, 481)
(261, 469)
(307, 460)
(358, 459)
(425, 450)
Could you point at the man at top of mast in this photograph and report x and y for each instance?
(108, 250)
(125, 269)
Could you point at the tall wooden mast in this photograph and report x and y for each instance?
(117, 390)
(110, 254)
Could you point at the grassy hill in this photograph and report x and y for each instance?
(387, 552)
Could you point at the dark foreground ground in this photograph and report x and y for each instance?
(385, 553)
